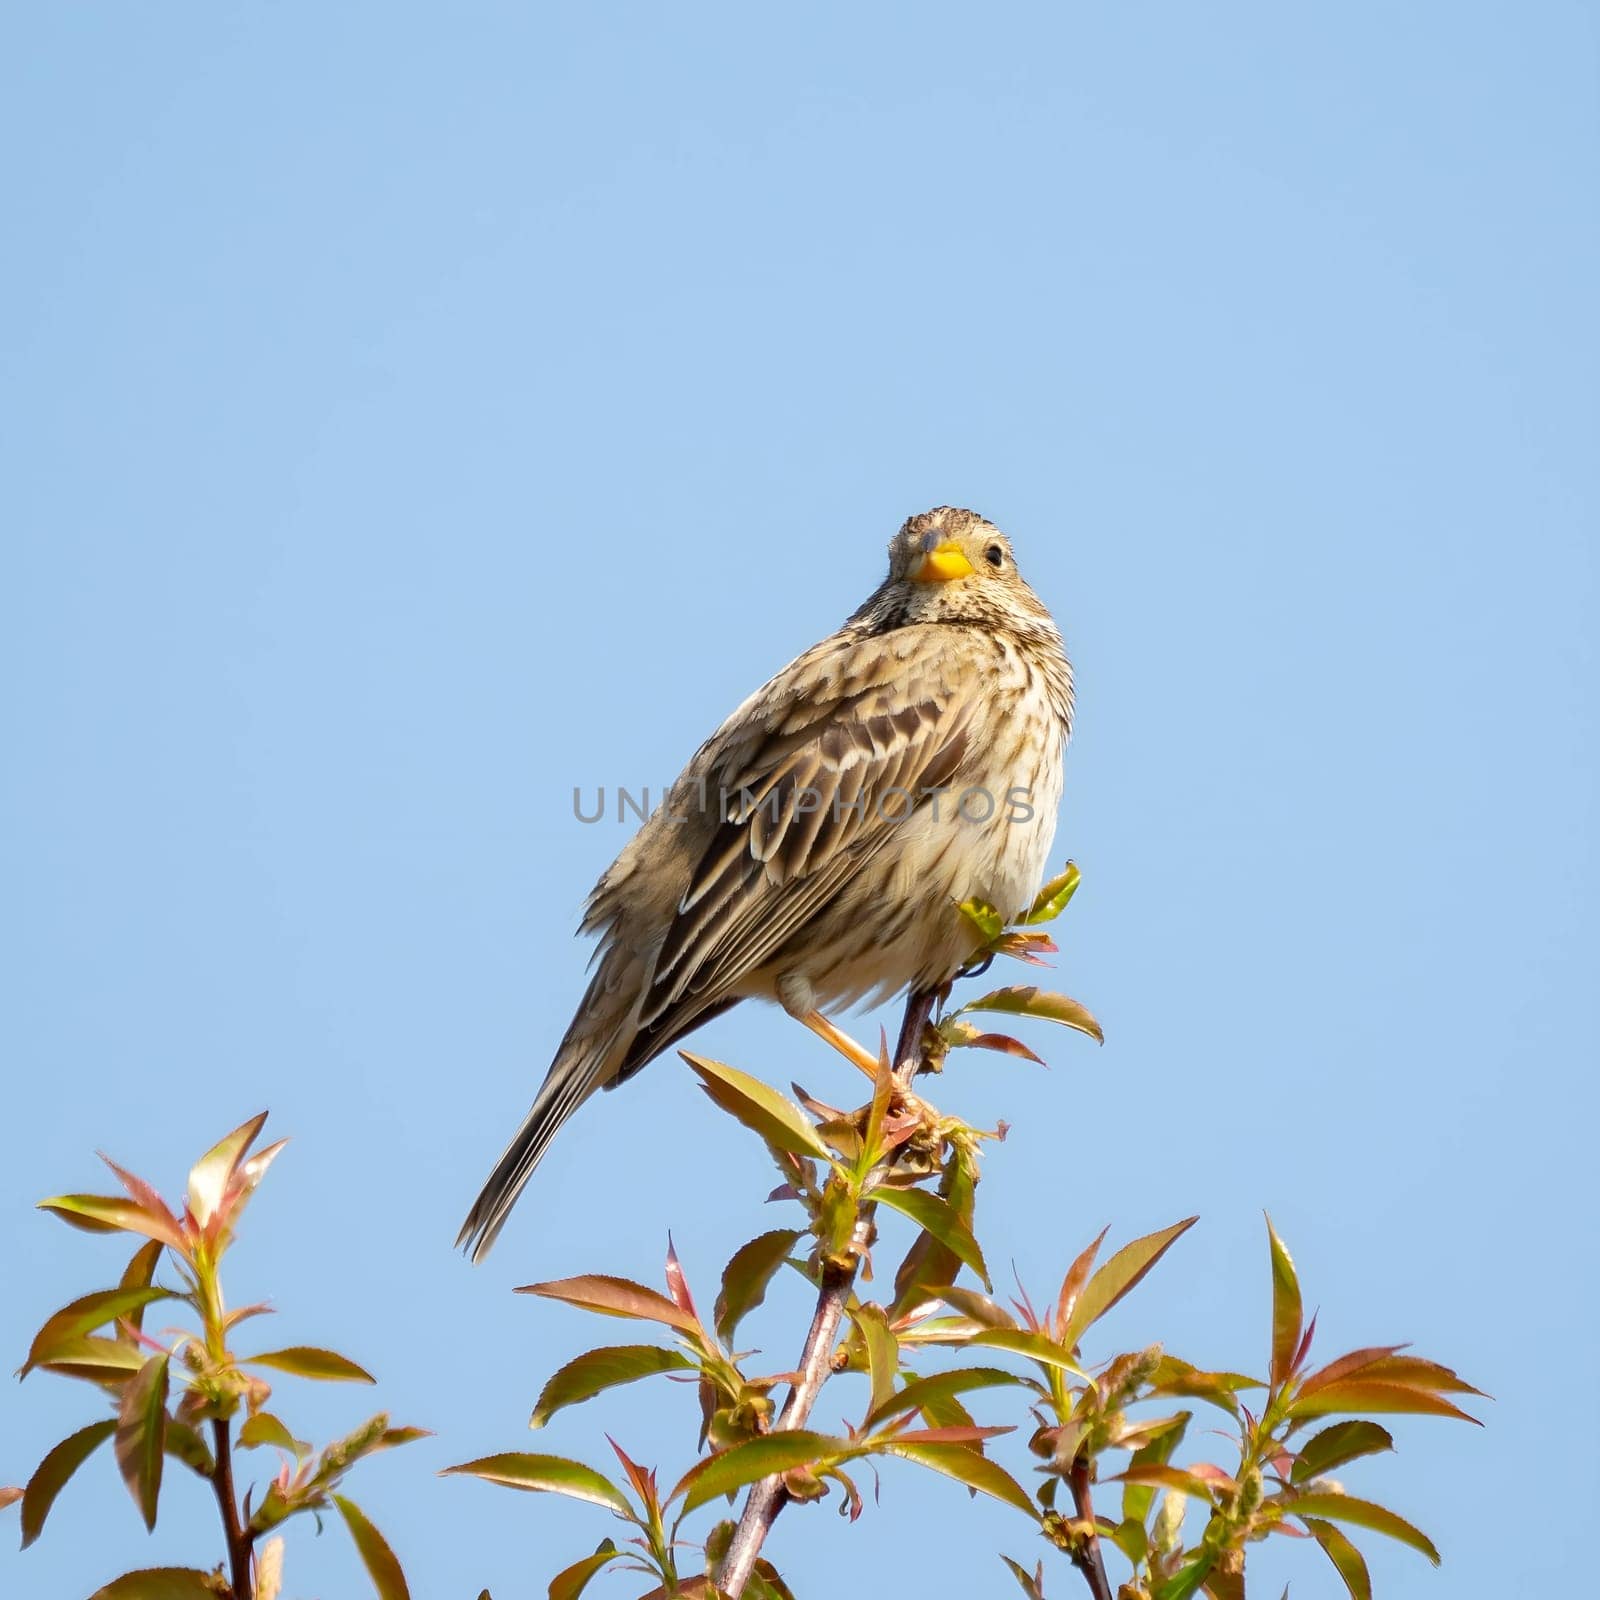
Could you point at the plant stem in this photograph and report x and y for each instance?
(768, 1497)
(240, 1581)
(1087, 1559)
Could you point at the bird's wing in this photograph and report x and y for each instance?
(809, 778)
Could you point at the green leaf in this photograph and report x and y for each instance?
(211, 1174)
(107, 1361)
(754, 1459)
(183, 1444)
(517, 1469)
(265, 1429)
(1028, 1000)
(1344, 1441)
(1032, 1582)
(977, 1307)
(929, 1391)
(758, 1106)
(161, 1583)
(571, 1581)
(746, 1276)
(1179, 1478)
(138, 1275)
(1286, 1309)
(985, 920)
(1364, 1514)
(1036, 1346)
(1052, 899)
(1358, 1395)
(1187, 1579)
(1185, 1382)
(50, 1477)
(84, 1315)
(1347, 1560)
(141, 1434)
(939, 1219)
(1122, 1273)
(882, 1349)
(99, 1213)
(615, 1297)
(373, 1548)
(965, 1466)
(1137, 1497)
(306, 1361)
(596, 1370)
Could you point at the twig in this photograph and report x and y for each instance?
(769, 1496)
(241, 1585)
(1086, 1558)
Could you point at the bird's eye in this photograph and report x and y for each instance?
(995, 556)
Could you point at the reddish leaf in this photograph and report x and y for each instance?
(98, 1213)
(1189, 1481)
(678, 1285)
(1121, 1274)
(1001, 1043)
(141, 1434)
(214, 1171)
(1286, 1310)
(1077, 1276)
(1360, 1395)
(615, 1297)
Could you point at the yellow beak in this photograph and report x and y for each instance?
(942, 564)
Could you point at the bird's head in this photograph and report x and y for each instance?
(950, 565)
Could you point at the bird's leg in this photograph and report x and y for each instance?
(799, 999)
(908, 1052)
(856, 1054)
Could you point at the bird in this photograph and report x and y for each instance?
(817, 848)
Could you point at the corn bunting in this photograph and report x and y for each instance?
(817, 847)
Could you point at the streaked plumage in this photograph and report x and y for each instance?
(803, 855)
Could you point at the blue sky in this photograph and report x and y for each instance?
(406, 418)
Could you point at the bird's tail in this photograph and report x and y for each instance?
(580, 1067)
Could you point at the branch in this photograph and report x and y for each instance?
(1087, 1558)
(769, 1496)
(241, 1585)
